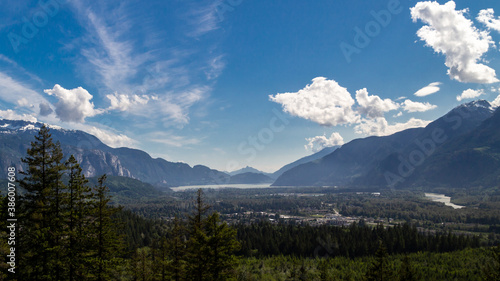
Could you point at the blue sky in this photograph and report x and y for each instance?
(231, 83)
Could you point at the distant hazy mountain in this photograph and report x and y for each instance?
(320, 154)
(325, 151)
(97, 158)
(410, 157)
(250, 178)
(247, 169)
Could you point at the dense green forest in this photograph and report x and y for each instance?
(266, 239)
(469, 264)
(67, 228)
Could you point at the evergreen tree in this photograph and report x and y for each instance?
(197, 250)
(211, 246)
(78, 220)
(143, 265)
(221, 244)
(161, 258)
(41, 225)
(176, 247)
(107, 244)
(380, 269)
(197, 218)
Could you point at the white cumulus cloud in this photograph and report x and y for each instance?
(428, 90)
(487, 17)
(324, 102)
(414, 106)
(11, 115)
(319, 142)
(373, 106)
(449, 32)
(380, 127)
(470, 94)
(74, 105)
(496, 102)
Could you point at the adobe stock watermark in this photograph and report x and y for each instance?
(363, 37)
(256, 143)
(32, 25)
(325, 248)
(11, 219)
(425, 148)
(226, 6)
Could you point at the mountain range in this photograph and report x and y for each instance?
(460, 149)
(96, 159)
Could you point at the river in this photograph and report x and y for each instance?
(443, 199)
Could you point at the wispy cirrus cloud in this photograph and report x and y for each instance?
(112, 57)
(170, 108)
(173, 140)
(122, 102)
(104, 132)
(110, 138)
(202, 18)
(215, 67)
(19, 69)
(146, 78)
(18, 93)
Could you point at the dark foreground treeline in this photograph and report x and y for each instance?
(66, 230)
(356, 240)
(62, 229)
